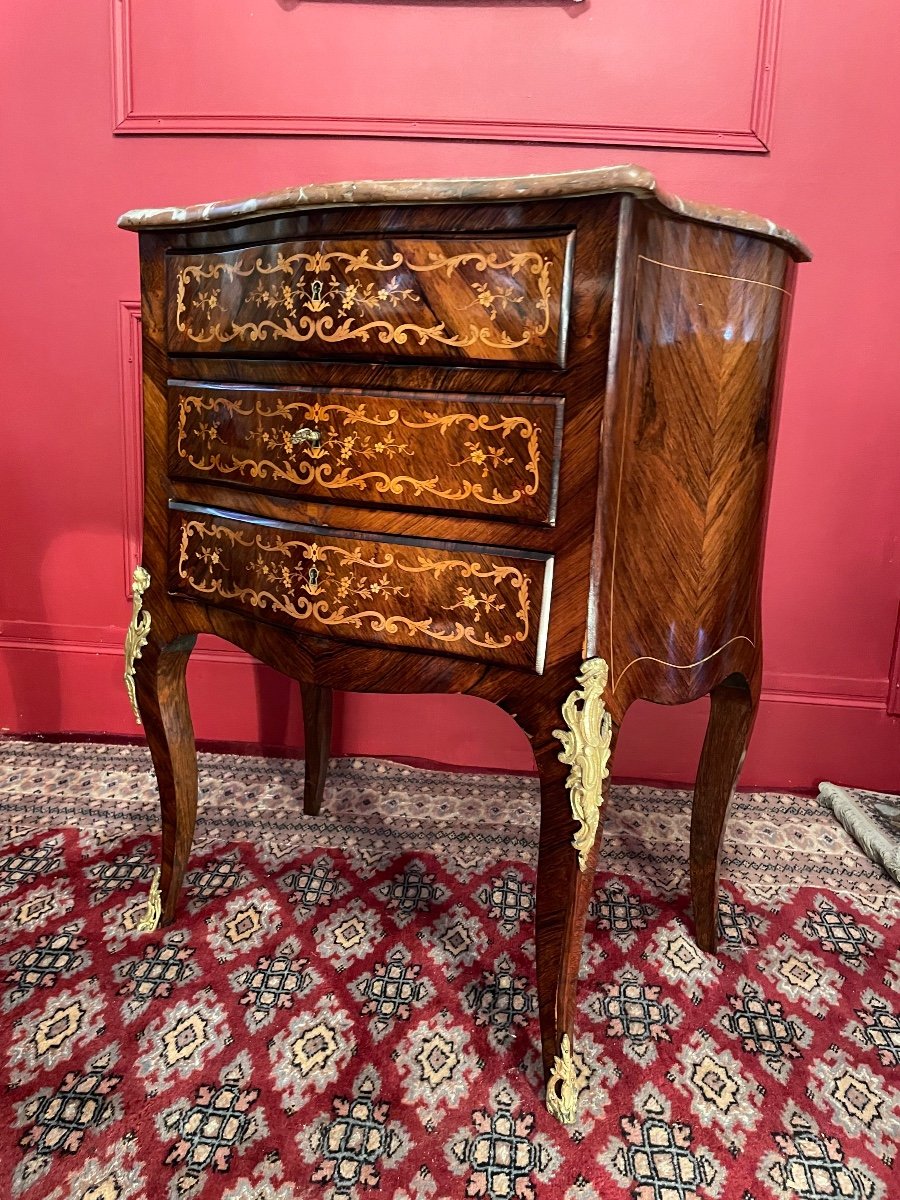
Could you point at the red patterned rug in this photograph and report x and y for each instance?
(346, 1005)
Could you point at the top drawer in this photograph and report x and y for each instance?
(494, 298)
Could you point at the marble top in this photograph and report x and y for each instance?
(602, 180)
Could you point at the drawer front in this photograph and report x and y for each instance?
(489, 299)
(471, 601)
(497, 456)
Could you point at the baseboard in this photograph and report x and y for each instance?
(74, 684)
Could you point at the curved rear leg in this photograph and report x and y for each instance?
(317, 704)
(733, 705)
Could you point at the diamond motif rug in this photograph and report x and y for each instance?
(346, 1005)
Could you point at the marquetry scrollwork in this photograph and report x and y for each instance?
(137, 635)
(324, 583)
(587, 745)
(326, 296)
(356, 448)
(562, 1086)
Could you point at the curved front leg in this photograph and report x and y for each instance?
(572, 762)
(733, 706)
(162, 700)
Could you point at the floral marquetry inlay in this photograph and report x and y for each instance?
(481, 604)
(429, 451)
(500, 298)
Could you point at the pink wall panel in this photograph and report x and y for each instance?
(68, 455)
(555, 71)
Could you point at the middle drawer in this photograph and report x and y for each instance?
(493, 455)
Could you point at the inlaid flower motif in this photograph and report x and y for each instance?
(208, 299)
(207, 432)
(270, 441)
(488, 458)
(349, 296)
(383, 584)
(287, 300)
(476, 603)
(264, 297)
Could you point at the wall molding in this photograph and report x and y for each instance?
(752, 139)
(74, 682)
(785, 685)
(893, 696)
(94, 639)
(763, 97)
(76, 685)
(782, 687)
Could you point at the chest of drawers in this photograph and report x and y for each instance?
(505, 437)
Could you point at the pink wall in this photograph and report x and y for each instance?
(618, 70)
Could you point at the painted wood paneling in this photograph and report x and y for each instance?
(551, 72)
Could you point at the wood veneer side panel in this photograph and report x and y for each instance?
(156, 484)
(686, 488)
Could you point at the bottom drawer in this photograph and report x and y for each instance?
(472, 601)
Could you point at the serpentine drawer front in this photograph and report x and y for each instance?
(493, 455)
(470, 600)
(504, 437)
(498, 298)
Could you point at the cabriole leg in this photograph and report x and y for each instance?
(317, 711)
(163, 703)
(571, 801)
(733, 706)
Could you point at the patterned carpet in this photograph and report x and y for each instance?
(346, 1008)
